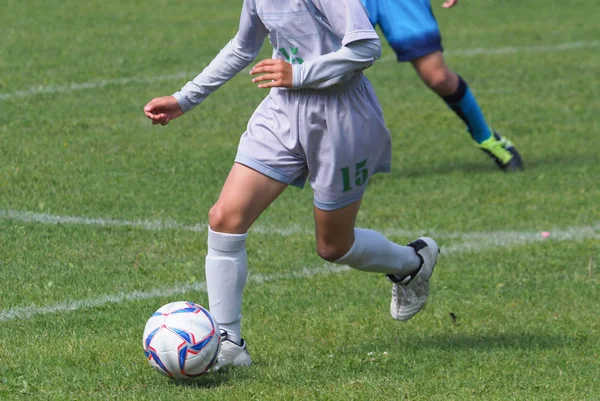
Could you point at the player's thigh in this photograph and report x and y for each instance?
(410, 27)
(334, 230)
(266, 163)
(245, 195)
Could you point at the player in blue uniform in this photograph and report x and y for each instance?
(412, 30)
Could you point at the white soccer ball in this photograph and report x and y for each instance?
(182, 340)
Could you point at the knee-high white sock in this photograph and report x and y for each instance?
(226, 272)
(373, 252)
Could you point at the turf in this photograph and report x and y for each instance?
(511, 316)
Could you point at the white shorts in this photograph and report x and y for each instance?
(335, 137)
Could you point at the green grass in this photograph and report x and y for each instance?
(526, 311)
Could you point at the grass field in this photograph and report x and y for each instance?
(103, 216)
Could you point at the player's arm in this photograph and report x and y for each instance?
(360, 48)
(233, 58)
(355, 56)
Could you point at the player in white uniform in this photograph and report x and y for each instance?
(321, 121)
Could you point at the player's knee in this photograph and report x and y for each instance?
(331, 251)
(222, 220)
(439, 80)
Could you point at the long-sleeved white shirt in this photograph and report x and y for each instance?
(327, 41)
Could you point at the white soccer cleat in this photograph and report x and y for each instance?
(231, 354)
(410, 293)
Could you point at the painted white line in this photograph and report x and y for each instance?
(73, 87)
(579, 233)
(526, 49)
(512, 50)
(151, 225)
(476, 244)
(44, 218)
(573, 233)
(30, 311)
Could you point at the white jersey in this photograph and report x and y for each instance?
(302, 30)
(334, 135)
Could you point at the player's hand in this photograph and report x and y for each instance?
(276, 73)
(450, 3)
(161, 110)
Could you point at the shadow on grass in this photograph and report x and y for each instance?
(461, 342)
(566, 159)
(490, 341)
(207, 381)
(476, 164)
(213, 380)
(424, 170)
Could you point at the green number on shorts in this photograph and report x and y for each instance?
(346, 179)
(361, 175)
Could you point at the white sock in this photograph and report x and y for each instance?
(226, 272)
(373, 252)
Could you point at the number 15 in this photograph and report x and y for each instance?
(360, 176)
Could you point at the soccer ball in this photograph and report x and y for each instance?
(181, 340)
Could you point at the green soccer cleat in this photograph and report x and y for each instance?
(503, 152)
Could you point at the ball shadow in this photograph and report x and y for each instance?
(207, 381)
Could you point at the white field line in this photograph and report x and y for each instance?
(477, 243)
(73, 87)
(27, 312)
(512, 50)
(151, 225)
(574, 233)
(79, 86)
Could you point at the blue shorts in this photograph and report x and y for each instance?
(408, 25)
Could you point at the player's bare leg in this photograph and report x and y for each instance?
(334, 231)
(408, 267)
(245, 195)
(434, 72)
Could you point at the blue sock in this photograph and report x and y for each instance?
(464, 104)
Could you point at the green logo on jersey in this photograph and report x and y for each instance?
(291, 57)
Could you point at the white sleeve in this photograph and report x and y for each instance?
(230, 60)
(233, 58)
(348, 19)
(355, 56)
